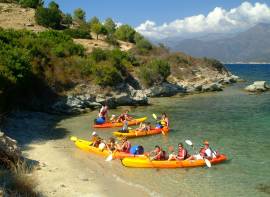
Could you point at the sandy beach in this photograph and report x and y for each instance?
(64, 170)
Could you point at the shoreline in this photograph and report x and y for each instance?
(64, 170)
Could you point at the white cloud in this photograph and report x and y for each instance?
(218, 20)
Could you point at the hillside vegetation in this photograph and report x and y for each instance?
(47, 63)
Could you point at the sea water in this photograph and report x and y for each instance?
(235, 123)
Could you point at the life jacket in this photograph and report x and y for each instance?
(127, 147)
(203, 152)
(183, 153)
(163, 123)
(162, 156)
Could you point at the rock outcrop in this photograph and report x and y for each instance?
(85, 101)
(10, 153)
(258, 86)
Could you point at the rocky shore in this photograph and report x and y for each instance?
(86, 97)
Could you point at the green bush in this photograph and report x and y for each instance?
(154, 72)
(48, 17)
(144, 46)
(31, 3)
(105, 74)
(125, 33)
(112, 40)
(78, 33)
(67, 19)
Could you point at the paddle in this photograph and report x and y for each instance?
(73, 138)
(207, 162)
(110, 157)
(155, 117)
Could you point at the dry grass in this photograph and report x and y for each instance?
(18, 182)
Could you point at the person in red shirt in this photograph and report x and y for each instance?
(182, 153)
(158, 154)
(125, 146)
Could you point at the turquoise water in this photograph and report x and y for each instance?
(235, 122)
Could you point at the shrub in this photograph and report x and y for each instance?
(48, 17)
(78, 33)
(154, 72)
(31, 3)
(67, 20)
(98, 55)
(105, 74)
(112, 40)
(125, 33)
(143, 46)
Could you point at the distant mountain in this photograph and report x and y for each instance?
(252, 45)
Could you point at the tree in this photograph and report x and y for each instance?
(125, 33)
(94, 20)
(67, 19)
(53, 5)
(110, 26)
(98, 29)
(31, 3)
(48, 17)
(79, 14)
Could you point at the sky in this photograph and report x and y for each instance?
(171, 18)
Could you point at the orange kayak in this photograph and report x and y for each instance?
(133, 133)
(146, 163)
(86, 146)
(120, 124)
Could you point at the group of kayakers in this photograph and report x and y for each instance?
(110, 144)
(205, 152)
(158, 153)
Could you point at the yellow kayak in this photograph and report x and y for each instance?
(134, 133)
(147, 163)
(120, 124)
(86, 146)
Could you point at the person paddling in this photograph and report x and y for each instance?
(95, 139)
(124, 116)
(205, 153)
(164, 121)
(182, 153)
(125, 145)
(158, 154)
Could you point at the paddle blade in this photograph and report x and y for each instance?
(109, 158)
(208, 163)
(189, 142)
(73, 138)
(154, 116)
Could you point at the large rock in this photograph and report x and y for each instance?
(211, 87)
(164, 89)
(258, 86)
(10, 153)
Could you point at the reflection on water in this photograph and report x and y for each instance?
(233, 121)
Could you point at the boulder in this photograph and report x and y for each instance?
(258, 86)
(164, 89)
(211, 87)
(10, 153)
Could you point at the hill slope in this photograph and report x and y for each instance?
(252, 45)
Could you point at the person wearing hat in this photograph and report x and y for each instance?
(96, 140)
(125, 145)
(206, 151)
